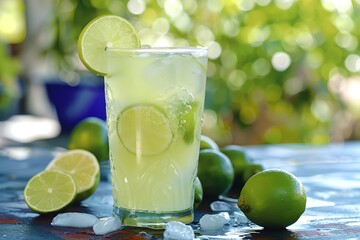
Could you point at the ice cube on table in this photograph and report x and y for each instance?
(221, 206)
(214, 222)
(145, 235)
(178, 231)
(107, 225)
(240, 218)
(226, 217)
(73, 219)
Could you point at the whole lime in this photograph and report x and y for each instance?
(252, 169)
(215, 172)
(207, 143)
(91, 134)
(273, 199)
(240, 160)
(198, 195)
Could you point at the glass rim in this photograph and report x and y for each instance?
(161, 50)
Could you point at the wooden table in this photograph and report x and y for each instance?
(330, 174)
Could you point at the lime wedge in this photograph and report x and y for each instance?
(144, 130)
(187, 113)
(101, 33)
(50, 191)
(83, 167)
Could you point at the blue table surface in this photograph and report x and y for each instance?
(330, 174)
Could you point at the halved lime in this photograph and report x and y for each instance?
(144, 130)
(50, 191)
(101, 33)
(83, 167)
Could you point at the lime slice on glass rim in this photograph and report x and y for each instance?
(101, 33)
(144, 130)
(50, 191)
(83, 167)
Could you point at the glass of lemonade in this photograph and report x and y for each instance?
(154, 105)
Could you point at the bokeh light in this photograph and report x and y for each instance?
(12, 21)
(136, 6)
(281, 61)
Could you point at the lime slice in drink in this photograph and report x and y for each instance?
(187, 115)
(50, 191)
(101, 33)
(83, 167)
(144, 130)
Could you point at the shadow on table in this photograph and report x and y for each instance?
(279, 235)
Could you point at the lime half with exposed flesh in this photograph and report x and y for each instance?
(50, 191)
(144, 130)
(103, 32)
(83, 167)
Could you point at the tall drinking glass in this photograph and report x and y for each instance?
(154, 105)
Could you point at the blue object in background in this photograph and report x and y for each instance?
(75, 103)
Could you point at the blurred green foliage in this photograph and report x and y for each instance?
(280, 71)
(9, 68)
(12, 30)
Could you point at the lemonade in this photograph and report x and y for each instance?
(154, 101)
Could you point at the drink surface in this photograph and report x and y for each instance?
(154, 111)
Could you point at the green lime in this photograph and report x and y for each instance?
(207, 143)
(103, 32)
(144, 129)
(91, 135)
(215, 172)
(251, 170)
(83, 167)
(198, 193)
(273, 199)
(50, 191)
(240, 160)
(187, 113)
